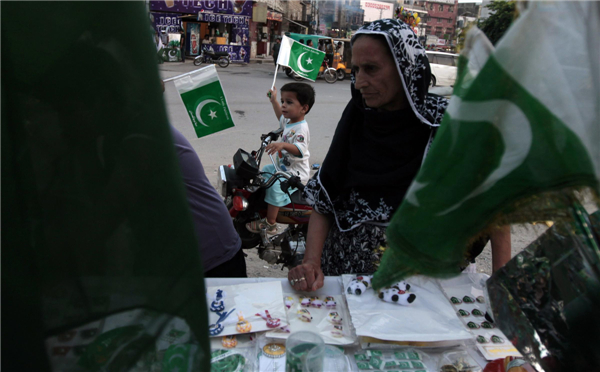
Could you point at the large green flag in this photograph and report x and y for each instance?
(100, 264)
(304, 60)
(522, 121)
(204, 100)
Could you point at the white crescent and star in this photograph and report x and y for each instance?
(309, 61)
(212, 114)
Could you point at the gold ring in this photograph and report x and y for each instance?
(301, 279)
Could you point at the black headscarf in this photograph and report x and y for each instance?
(375, 155)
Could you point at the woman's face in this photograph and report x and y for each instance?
(376, 74)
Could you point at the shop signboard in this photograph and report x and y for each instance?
(194, 38)
(231, 7)
(375, 10)
(223, 18)
(274, 16)
(168, 22)
(241, 34)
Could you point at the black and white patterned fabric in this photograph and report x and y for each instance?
(412, 66)
(373, 158)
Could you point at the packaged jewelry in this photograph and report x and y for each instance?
(243, 326)
(218, 304)
(330, 302)
(304, 315)
(229, 341)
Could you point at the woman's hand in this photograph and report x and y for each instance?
(306, 277)
(274, 147)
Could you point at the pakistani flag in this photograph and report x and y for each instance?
(522, 124)
(303, 60)
(204, 100)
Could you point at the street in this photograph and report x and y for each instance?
(246, 87)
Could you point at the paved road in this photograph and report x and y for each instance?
(246, 87)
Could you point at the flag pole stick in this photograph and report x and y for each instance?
(275, 76)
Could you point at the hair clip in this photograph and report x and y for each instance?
(271, 322)
(396, 296)
(288, 301)
(359, 285)
(334, 317)
(315, 302)
(218, 304)
(229, 341)
(330, 302)
(304, 315)
(243, 326)
(337, 331)
(217, 328)
(305, 301)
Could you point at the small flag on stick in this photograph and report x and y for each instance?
(303, 60)
(204, 100)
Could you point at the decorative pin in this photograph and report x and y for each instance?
(288, 301)
(229, 341)
(477, 312)
(359, 285)
(243, 326)
(218, 304)
(394, 296)
(217, 328)
(455, 300)
(304, 315)
(487, 325)
(304, 301)
(462, 312)
(271, 322)
(472, 325)
(330, 302)
(315, 302)
(468, 300)
(482, 340)
(481, 299)
(337, 331)
(497, 340)
(402, 286)
(334, 317)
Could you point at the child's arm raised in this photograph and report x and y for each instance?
(273, 98)
(274, 147)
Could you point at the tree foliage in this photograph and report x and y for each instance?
(495, 26)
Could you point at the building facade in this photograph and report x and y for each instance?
(442, 22)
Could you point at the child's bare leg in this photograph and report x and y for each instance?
(272, 213)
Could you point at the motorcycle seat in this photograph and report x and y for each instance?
(219, 54)
(297, 198)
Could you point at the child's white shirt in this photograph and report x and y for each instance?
(297, 134)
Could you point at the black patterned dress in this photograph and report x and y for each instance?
(352, 247)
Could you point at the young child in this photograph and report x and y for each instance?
(296, 101)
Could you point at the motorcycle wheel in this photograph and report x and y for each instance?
(297, 77)
(198, 61)
(288, 71)
(249, 240)
(330, 76)
(223, 61)
(341, 75)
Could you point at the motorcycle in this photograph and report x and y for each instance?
(208, 56)
(328, 73)
(243, 187)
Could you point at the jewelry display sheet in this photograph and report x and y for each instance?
(466, 294)
(429, 318)
(250, 299)
(321, 322)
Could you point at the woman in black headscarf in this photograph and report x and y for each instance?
(377, 150)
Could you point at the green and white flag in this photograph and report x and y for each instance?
(204, 100)
(303, 60)
(522, 125)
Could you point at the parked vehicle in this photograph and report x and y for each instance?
(243, 187)
(342, 62)
(208, 56)
(443, 68)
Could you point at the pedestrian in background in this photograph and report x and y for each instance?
(182, 44)
(276, 50)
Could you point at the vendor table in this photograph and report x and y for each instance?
(334, 285)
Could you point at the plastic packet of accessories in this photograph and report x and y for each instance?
(404, 359)
(244, 301)
(324, 314)
(457, 361)
(271, 354)
(428, 318)
(546, 298)
(467, 294)
(233, 353)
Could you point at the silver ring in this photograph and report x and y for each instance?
(293, 282)
(301, 279)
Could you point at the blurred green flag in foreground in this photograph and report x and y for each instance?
(523, 120)
(99, 256)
